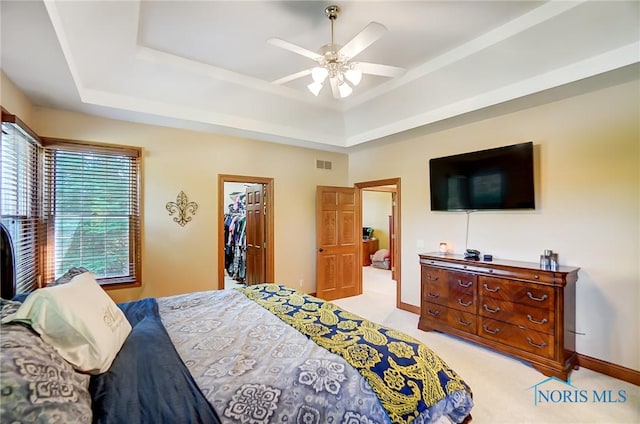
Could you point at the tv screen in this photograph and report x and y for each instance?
(493, 179)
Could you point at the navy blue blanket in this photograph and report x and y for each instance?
(148, 382)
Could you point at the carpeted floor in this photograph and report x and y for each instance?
(505, 389)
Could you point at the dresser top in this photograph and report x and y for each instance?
(472, 263)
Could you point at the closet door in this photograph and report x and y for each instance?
(255, 234)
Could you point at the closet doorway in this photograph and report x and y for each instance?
(390, 223)
(245, 229)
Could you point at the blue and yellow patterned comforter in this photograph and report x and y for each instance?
(268, 353)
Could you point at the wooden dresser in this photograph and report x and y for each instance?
(513, 307)
(369, 247)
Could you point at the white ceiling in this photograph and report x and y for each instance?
(206, 65)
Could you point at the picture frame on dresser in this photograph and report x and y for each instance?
(513, 307)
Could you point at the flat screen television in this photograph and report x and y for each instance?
(493, 179)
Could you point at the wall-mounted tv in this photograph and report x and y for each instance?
(493, 179)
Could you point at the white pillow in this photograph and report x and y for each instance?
(79, 320)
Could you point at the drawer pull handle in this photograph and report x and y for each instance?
(539, 346)
(490, 289)
(462, 284)
(436, 295)
(431, 278)
(465, 304)
(465, 323)
(536, 277)
(537, 299)
(488, 309)
(434, 313)
(496, 331)
(544, 320)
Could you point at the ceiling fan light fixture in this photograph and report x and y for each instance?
(315, 87)
(333, 61)
(353, 75)
(319, 74)
(345, 90)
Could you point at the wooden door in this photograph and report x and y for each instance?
(338, 234)
(392, 237)
(255, 234)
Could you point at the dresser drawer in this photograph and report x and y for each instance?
(537, 319)
(462, 301)
(435, 287)
(453, 318)
(435, 291)
(461, 281)
(462, 291)
(464, 321)
(517, 336)
(434, 311)
(430, 274)
(530, 294)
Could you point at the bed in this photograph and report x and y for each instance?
(260, 354)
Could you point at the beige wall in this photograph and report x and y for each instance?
(184, 259)
(587, 152)
(376, 208)
(11, 96)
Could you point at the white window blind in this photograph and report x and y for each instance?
(92, 210)
(20, 200)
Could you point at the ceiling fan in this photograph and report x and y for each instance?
(335, 62)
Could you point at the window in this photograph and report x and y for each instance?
(92, 210)
(67, 203)
(20, 199)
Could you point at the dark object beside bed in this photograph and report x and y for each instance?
(7, 270)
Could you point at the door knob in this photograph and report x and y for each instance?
(321, 250)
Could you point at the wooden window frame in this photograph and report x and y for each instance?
(24, 219)
(51, 145)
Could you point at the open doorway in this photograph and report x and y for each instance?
(247, 202)
(387, 208)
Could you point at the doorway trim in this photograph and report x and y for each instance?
(396, 212)
(269, 227)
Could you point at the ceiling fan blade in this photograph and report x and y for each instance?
(381, 70)
(334, 88)
(292, 77)
(363, 39)
(294, 48)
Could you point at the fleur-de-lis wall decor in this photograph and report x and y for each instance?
(183, 208)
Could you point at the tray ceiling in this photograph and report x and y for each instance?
(206, 65)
